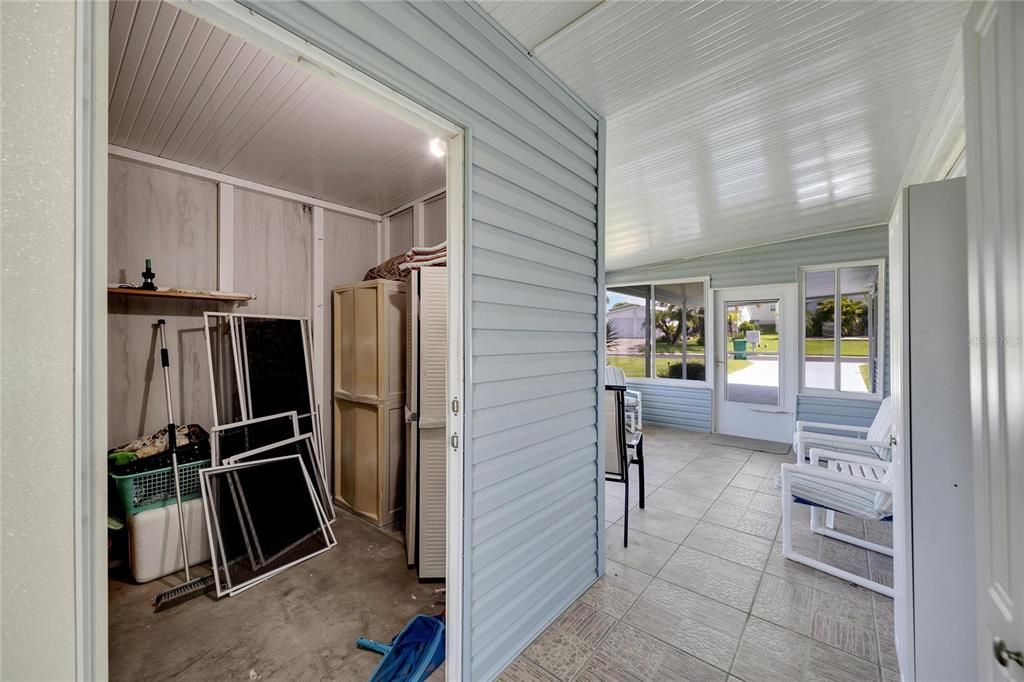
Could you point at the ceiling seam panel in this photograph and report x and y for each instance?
(122, 91)
(129, 140)
(203, 98)
(147, 79)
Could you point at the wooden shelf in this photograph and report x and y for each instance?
(192, 295)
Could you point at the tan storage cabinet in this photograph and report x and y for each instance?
(369, 382)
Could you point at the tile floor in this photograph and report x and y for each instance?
(703, 592)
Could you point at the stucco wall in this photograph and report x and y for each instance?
(37, 251)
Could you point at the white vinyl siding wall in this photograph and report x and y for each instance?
(531, 473)
(777, 263)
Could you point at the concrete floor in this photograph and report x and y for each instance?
(703, 592)
(299, 625)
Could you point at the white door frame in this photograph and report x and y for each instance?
(788, 353)
(91, 310)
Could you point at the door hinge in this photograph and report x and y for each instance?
(455, 441)
(455, 405)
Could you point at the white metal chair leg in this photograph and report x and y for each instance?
(789, 553)
(828, 530)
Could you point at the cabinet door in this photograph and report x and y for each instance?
(344, 319)
(367, 342)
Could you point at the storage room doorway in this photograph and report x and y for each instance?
(285, 268)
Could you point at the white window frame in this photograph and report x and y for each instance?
(709, 332)
(879, 392)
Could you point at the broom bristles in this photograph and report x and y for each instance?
(182, 593)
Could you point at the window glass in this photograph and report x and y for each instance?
(858, 302)
(679, 331)
(841, 329)
(819, 329)
(627, 338)
(751, 338)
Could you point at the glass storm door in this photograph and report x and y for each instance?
(755, 362)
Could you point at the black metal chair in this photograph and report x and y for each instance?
(621, 448)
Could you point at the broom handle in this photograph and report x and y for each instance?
(172, 442)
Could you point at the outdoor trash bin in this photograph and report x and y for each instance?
(739, 349)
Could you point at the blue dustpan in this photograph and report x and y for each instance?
(413, 654)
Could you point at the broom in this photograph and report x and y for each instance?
(191, 587)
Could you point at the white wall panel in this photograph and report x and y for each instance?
(172, 219)
(273, 253)
(350, 249)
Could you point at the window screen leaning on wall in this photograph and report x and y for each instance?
(841, 324)
(656, 331)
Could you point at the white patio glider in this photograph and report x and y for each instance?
(857, 485)
(860, 440)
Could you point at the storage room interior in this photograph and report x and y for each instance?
(278, 292)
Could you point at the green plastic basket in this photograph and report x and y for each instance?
(155, 489)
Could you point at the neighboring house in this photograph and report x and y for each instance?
(628, 320)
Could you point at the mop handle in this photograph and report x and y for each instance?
(172, 443)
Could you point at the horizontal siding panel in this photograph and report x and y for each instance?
(514, 343)
(515, 54)
(580, 197)
(486, 53)
(521, 159)
(517, 318)
(532, 244)
(494, 549)
(510, 268)
(494, 238)
(682, 406)
(489, 368)
(506, 503)
(501, 468)
(520, 622)
(493, 186)
(488, 606)
(494, 419)
(542, 430)
(494, 393)
(491, 290)
(846, 411)
(508, 217)
(533, 551)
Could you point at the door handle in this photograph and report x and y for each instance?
(1005, 656)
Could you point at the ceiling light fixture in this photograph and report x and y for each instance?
(437, 147)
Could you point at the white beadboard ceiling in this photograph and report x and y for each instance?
(186, 91)
(738, 123)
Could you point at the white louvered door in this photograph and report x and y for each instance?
(433, 409)
(412, 372)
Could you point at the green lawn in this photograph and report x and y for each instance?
(662, 347)
(815, 347)
(634, 366)
(864, 374)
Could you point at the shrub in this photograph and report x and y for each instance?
(747, 326)
(694, 370)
